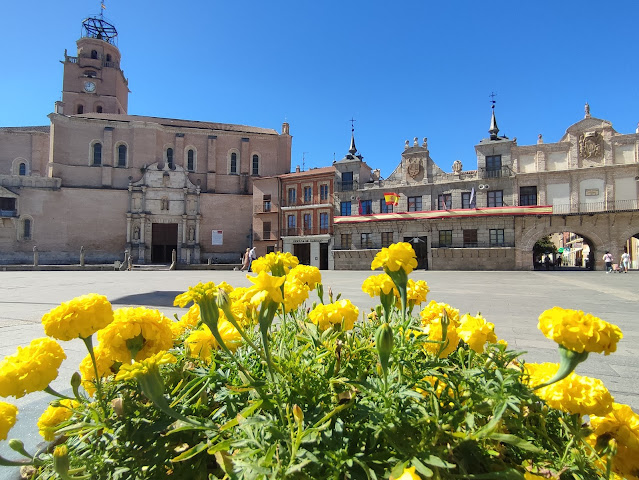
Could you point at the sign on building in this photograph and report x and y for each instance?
(217, 237)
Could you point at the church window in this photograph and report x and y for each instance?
(94, 54)
(80, 109)
(190, 160)
(97, 153)
(169, 157)
(233, 166)
(256, 165)
(26, 229)
(98, 109)
(22, 169)
(108, 57)
(122, 156)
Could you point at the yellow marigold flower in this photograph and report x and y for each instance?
(574, 394)
(142, 367)
(434, 331)
(578, 331)
(201, 342)
(295, 293)
(417, 291)
(376, 284)
(532, 476)
(188, 321)
(434, 311)
(80, 317)
(325, 316)
(306, 274)
(148, 330)
(408, 474)
(31, 369)
(8, 414)
(277, 263)
(53, 416)
(264, 287)
(437, 383)
(104, 363)
(197, 294)
(476, 332)
(398, 255)
(622, 425)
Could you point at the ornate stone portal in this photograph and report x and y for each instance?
(164, 214)
(590, 145)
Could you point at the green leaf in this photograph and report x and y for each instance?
(437, 462)
(514, 440)
(297, 467)
(244, 413)
(490, 426)
(191, 452)
(219, 447)
(421, 468)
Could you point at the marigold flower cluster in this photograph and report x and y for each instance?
(31, 369)
(375, 285)
(578, 331)
(416, 292)
(398, 255)
(53, 416)
(295, 293)
(137, 369)
(277, 263)
(104, 363)
(144, 325)
(305, 274)
(325, 316)
(574, 394)
(8, 415)
(265, 287)
(200, 293)
(437, 383)
(431, 317)
(80, 317)
(622, 425)
(476, 332)
(408, 474)
(201, 342)
(188, 321)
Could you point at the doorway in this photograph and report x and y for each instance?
(420, 245)
(323, 260)
(164, 238)
(303, 252)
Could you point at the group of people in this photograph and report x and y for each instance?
(247, 259)
(623, 267)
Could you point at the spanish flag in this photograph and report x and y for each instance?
(391, 198)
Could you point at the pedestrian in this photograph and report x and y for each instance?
(245, 260)
(251, 258)
(608, 259)
(625, 261)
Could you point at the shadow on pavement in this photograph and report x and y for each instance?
(154, 299)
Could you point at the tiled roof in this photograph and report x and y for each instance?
(173, 122)
(312, 171)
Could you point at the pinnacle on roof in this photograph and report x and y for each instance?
(353, 149)
(494, 130)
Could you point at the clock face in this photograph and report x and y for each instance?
(89, 87)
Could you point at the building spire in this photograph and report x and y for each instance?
(494, 130)
(353, 149)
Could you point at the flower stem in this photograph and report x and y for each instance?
(51, 391)
(88, 341)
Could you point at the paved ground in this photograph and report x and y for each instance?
(511, 300)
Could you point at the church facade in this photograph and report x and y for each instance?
(100, 179)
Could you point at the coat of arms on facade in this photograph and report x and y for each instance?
(590, 145)
(414, 166)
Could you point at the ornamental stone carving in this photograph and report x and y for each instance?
(414, 167)
(457, 167)
(590, 145)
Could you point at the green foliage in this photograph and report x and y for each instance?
(467, 416)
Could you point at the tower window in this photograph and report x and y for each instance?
(233, 168)
(94, 54)
(190, 160)
(169, 157)
(108, 57)
(97, 153)
(122, 156)
(98, 109)
(80, 109)
(22, 169)
(256, 165)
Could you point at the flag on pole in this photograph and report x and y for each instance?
(359, 206)
(391, 198)
(473, 199)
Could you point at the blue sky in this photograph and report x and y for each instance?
(401, 69)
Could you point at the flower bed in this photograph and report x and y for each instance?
(250, 383)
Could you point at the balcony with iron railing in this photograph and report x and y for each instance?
(265, 236)
(503, 171)
(346, 186)
(265, 207)
(306, 202)
(596, 207)
(301, 231)
(462, 244)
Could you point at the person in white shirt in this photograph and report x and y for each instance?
(625, 262)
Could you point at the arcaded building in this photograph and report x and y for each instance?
(99, 178)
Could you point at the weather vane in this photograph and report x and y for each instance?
(492, 98)
(352, 120)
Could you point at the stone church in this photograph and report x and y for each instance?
(99, 178)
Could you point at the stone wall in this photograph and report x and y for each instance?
(498, 258)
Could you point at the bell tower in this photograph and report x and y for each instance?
(93, 80)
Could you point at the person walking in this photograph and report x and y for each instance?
(608, 259)
(251, 257)
(245, 260)
(625, 261)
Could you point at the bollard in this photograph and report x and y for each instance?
(82, 256)
(173, 260)
(35, 256)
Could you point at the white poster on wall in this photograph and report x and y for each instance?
(217, 237)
